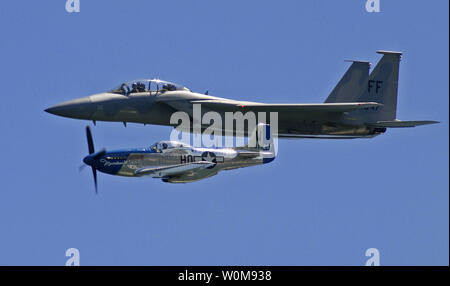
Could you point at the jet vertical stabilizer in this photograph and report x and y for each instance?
(351, 84)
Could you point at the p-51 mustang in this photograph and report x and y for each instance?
(362, 105)
(176, 162)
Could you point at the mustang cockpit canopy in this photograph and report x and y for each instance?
(150, 86)
(165, 145)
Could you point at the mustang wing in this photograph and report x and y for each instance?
(172, 169)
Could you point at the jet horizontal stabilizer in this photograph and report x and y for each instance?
(356, 61)
(400, 124)
(384, 52)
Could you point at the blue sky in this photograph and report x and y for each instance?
(319, 203)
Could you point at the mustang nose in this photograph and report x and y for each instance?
(88, 160)
(81, 108)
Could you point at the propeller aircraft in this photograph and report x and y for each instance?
(177, 162)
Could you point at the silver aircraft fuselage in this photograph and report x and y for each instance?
(147, 162)
(177, 162)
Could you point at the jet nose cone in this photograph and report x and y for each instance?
(81, 108)
(56, 110)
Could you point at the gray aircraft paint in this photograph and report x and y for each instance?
(352, 84)
(360, 106)
(382, 87)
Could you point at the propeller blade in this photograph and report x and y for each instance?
(100, 153)
(81, 168)
(95, 156)
(89, 140)
(94, 173)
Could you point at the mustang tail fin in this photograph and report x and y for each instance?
(261, 137)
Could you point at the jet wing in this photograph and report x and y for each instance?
(400, 123)
(172, 169)
(222, 105)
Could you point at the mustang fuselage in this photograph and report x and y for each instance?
(176, 162)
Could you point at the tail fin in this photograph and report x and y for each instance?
(261, 137)
(351, 85)
(382, 86)
(265, 142)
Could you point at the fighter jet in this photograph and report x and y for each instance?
(177, 162)
(362, 105)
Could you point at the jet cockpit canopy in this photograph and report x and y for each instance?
(150, 86)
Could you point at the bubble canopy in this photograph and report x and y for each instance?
(152, 86)
(164, 145)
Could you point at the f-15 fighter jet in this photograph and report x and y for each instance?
(176, 162)
(361, 105)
